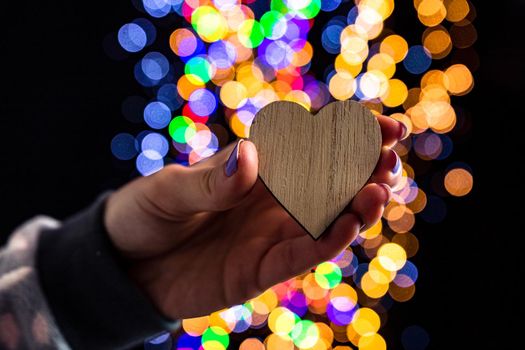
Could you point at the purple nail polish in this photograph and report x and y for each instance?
(388, 193)
(231, 164)
(160, 341)
(397, 166)
(362, 226)
(404, 131)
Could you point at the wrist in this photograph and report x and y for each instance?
(87, 287)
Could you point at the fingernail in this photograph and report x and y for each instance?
(397, 166)
(404, 131)
(159, 341)
(231, 164)
(388, 193)
(362, 224)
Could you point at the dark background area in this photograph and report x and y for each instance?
(61, 105)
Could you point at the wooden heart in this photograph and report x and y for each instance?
(315, 164)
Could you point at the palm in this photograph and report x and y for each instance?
(228, 249)
(198, 240)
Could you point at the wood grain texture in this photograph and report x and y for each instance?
(315, 164)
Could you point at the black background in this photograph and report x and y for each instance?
(61, 105)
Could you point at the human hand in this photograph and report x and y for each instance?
(198, 240)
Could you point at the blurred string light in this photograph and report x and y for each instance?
(236, 57)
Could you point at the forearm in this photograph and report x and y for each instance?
(77, 274)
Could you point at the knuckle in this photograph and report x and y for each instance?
(167, 175)
(289, 259)
(207, 185)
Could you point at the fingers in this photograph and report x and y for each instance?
(388, 169)
(216, 184)
(369, 203)
(391, 130)
(297, 255)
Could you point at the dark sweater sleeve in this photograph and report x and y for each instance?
(94, 303)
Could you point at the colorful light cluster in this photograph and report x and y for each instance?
(232, 58)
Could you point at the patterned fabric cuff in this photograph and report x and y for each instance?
(94, 303)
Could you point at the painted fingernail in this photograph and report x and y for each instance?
(397, 166)
(159, 341)
(231, 164)
(388, 193)
(362, 224)
(404, 131)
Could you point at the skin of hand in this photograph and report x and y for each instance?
(196, 240)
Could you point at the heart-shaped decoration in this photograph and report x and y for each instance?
(315, 164)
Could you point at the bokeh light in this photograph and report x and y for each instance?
(132, 37)
(157, 115)
(415, 338)
(222, 61)
(458, 182)
(418, 59)
(124, 146)
(155, 65)
(183, 42)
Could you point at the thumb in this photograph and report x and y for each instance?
(215, 184)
